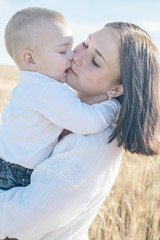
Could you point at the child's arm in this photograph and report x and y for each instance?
(60, 105)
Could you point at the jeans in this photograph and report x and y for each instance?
(10, 238)
(13, 175)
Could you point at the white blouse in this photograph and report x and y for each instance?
(66, 191)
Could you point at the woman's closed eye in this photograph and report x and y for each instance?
(93, 59)
(94, 63)
(84, 45)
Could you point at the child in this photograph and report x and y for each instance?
(41, 106)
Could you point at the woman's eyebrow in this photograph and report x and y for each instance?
(90, 37)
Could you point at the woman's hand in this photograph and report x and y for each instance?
(64, 133)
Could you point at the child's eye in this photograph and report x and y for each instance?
(94, 63)
(84, 44)
(64, 52)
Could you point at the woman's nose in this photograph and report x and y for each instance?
(78, 57)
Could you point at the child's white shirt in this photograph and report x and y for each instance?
(39, 109)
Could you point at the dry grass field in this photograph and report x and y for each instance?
(132, 209)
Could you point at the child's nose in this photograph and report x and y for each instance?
(71, 55)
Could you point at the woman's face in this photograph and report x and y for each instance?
(96, 64)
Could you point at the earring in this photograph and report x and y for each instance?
(109, 95)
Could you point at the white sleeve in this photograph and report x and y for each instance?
(60, 105)
(58, 192)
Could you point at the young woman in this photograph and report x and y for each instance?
(67, 189)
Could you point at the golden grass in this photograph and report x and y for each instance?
(132, 209)
(8, 80)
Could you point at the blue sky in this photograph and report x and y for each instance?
(87, 16)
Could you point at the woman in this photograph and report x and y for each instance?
(67, 189)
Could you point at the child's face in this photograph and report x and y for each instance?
(53, 51)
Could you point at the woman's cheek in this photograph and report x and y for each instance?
(90, 77)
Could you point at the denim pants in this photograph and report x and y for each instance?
(10, 238)
(13, 175)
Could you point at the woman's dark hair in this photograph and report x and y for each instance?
(137, 127)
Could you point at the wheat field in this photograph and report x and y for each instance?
(132, 209)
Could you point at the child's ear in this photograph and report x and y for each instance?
(116, 91)
(28, 60)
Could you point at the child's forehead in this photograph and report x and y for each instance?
(52, 33)
(57, 30)
(65, 40)
(51, 26)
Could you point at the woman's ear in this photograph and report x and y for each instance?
(28, 60)
(116, 91)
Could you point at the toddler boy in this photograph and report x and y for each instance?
(41, 106)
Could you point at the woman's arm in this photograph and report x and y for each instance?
(55, 196)
(61, 188)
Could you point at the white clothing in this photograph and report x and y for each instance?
(39, 109)
(66, 190)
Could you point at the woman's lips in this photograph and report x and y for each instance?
(70, 69)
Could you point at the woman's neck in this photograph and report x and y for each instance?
(92, 99)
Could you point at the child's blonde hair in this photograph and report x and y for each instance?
(23, 24)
